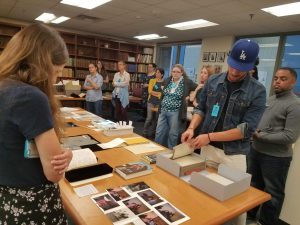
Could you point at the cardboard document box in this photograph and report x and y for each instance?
(227, 183)
(118, 131)
(182, 166)
(71, 88)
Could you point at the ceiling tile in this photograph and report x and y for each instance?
(4, 3)
(126, 18)
(130, 5)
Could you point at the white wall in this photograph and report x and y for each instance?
(290, 210)
(216, 44)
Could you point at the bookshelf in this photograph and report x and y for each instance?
(6, 33)
(85, 49)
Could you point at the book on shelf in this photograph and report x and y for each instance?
(80, 62)
(110, 65)
(144, 58)
(131, 68)
(142, 68)
(67, 72)
(137, 77)
(84, 168)
(133, 169)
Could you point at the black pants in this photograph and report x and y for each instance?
(121, 112)
(269, 174)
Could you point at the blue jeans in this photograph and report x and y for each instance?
(168, 129)
(94, 107)
(151, 121)
(269, 174)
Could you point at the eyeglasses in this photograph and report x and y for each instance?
(174, 71)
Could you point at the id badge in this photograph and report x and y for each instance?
(173, 85)
(155, 87)
(30, 150)
(215, 110)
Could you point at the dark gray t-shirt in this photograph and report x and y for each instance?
(24, 114)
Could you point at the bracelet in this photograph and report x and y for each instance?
(191, 128)
(208, 137)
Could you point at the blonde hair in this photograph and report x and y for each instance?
(29, 57)
(209, 68)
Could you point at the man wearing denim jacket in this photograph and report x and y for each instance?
(230, 107)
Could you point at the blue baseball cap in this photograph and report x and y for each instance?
(243, 55)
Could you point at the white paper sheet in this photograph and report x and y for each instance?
(144, 148)
(75, 82)
(82, 157)
(85, 190)
(112, 144)
(68, 109)
(65, 81)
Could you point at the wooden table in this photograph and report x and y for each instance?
(200, 207)
(72, 102)
(105, 98)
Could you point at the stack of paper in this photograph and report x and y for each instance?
(144, 148)
(117, 142)
(135, 140)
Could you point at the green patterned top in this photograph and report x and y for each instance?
(172, 98)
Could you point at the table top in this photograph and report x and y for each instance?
(200, 207)
(105, 98)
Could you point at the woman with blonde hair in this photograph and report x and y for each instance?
(31, 158)
(172, 111)
(205, 72)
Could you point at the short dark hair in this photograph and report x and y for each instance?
(161, 70)
(154, 65)
(291, 70)
(122, 61)
(94, 64)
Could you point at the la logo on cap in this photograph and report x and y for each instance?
(243, 55)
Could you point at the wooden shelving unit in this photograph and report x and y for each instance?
(84, 49)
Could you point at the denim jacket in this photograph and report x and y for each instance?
(245, 108)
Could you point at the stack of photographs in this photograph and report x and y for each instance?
(137, 204)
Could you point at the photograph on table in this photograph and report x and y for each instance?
(120, 215)
(150, 197)
(118, 193)
(136, 205)
(104, 202)
(151, 218)
(172, 214)
(136, 221)
(137, 187)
